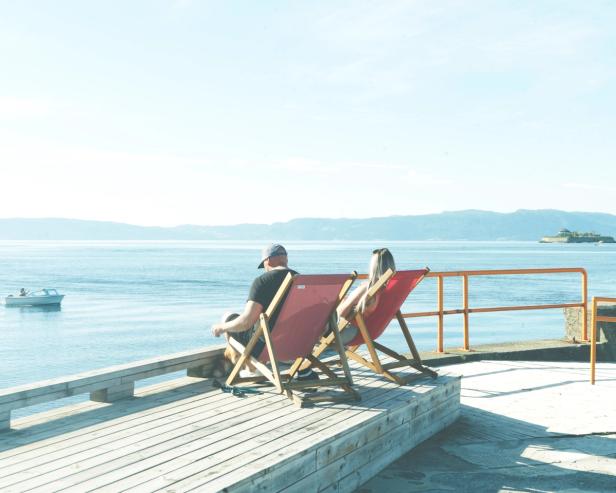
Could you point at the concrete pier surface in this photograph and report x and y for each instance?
(525, 426)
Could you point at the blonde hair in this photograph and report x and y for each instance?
(380, 262)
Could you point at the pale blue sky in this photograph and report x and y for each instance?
(173, 112)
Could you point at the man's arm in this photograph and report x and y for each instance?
(245, 321)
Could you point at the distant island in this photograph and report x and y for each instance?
(566, 236)
(473, 225)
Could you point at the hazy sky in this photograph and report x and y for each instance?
(172, 112)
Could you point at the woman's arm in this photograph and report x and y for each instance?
(345, 307)
(372, 304)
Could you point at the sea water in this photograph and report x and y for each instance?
(127, 301)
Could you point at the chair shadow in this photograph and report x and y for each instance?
(374, 396)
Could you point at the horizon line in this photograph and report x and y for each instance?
(294, 219)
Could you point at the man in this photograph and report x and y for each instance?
(241, 327)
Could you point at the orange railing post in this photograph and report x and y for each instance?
(593, 341)
(467, 346)
(585, 306)
(439, 345)
(593, 331)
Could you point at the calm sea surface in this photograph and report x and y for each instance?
(131, 300)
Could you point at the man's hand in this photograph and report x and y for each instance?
(217, 330)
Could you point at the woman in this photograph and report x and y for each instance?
(380, 262)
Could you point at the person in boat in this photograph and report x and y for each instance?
(381, 260)
(23, 292)
(242, 326)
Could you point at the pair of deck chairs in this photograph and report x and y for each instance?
(307, 304)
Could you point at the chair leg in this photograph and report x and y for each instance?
(341, 353)
(362, 361)
(417, 365)
(245, 353)
(350, 394)
(272, 354)
(408, 337)
(295, 368)
(376, 366)
(369, 343)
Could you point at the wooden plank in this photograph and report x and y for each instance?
(283, 427)
(179, 385)
(46, 390)
(232, 434)
(360, 426)
(69, 389)
(162, 394)
(362, 433)
(269, 468)
(265, 449)
(133, 428)
(112, 394)
(203, 371)
(140, 455)
(389, 451)
(78, 468)
(289, 414)
(234, 400)
(107, 421)
(104, 413)
(222, 485)
(75, 388)
(377, 450)
(188, 357)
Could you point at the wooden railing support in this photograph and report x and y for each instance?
(5, 420)
(107, 384)
(112, 394)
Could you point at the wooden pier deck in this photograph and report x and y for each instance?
(185, 435)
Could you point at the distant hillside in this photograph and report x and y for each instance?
(459, 225)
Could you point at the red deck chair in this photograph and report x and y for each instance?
(394, 289)
(308, 302)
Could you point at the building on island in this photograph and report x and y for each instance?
(566, 236)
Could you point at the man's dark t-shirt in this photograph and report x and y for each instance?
(265, 287)
(262, 291)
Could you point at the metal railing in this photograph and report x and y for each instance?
(593, 334)
(466, 310)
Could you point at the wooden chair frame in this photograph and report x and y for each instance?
(374, 363)
(284, 382)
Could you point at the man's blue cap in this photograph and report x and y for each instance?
(273, 250)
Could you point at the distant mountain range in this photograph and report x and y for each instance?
(458, 225)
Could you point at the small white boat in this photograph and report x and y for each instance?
(35, 298)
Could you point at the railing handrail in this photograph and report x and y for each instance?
(593, 331)
(105, 384)
(466, 310)
(499, 272)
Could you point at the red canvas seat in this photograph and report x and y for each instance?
(391, 290)
(308, 302)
